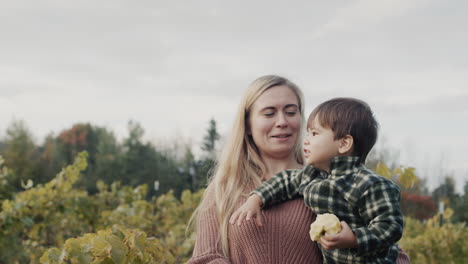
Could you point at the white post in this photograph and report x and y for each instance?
(441, 213)
(156, 185)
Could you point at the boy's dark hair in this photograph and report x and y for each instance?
(348, 116)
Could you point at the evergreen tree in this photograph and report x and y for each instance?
(141, 163)
(461, 206)
(52, 157)
(21, 154)
(210, 139)
(446, 193)
(206, 164)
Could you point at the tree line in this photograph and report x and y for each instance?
(133, 161)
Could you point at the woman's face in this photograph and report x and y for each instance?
(275, 121)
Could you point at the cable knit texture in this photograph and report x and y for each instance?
(284, 238)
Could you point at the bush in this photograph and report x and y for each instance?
(65, 224)
(432, 243)
(52, 215)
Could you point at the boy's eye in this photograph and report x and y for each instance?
(314, 134)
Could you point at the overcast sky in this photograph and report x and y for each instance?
(172, 65)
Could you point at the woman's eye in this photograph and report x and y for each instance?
(291, 113)
(269, 114)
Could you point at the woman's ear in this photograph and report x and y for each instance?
(346, 145)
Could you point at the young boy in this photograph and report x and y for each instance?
(341, 132)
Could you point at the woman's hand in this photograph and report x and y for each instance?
(251, 208)
(344, 239)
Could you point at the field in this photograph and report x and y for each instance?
(59, 223)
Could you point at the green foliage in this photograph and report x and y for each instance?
(446, 194)
(60, 223)
(43, 216)
(132, 162)
(51, 215)
(432, 243)
(461, 206)
(117, 245)
(203, 167)
(6, 189)
(21, 154)
(406, 176)
(196, 172)
(412, 204)
(164, 217)
(209, 140)
(93, 209)
(81, 137)
(141, 163)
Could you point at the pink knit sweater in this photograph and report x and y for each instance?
(284, 238)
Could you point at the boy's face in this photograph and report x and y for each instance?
(319, 146)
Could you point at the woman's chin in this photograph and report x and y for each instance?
(282, 150)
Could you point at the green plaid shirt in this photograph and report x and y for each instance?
(367, 202)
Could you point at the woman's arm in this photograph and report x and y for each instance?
(207, 247)
(403, 258)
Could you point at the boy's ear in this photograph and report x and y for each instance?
(346, 145)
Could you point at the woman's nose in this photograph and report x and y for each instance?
(281, 121)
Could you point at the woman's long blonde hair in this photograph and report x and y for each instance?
(240, 164)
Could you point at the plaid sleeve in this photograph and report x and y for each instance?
(381, 209)
(285, 185)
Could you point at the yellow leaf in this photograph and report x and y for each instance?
(383, 170)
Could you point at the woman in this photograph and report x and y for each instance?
(266, 138)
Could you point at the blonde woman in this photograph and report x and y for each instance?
(266, 138)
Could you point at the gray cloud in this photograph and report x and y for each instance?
(174, 65)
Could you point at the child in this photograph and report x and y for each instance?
(341, 132)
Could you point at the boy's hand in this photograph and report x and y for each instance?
(345, 239)
(251, 208)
